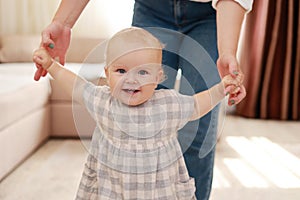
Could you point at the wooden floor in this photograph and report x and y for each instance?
(255, 159)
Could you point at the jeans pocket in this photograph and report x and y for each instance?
(185, 190)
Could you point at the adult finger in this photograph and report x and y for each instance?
(62, 59)
(46, 40)
(44, 73)
(38, 74)
(238, 97)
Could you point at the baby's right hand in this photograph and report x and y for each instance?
(42, 58)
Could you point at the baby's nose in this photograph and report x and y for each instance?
(131, 78)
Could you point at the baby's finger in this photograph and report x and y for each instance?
(38, 66)
(235, 90)
(228, 80)
(229, 89)
(38, 60)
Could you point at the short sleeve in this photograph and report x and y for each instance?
(180, 108)
(246, 4)
(93, 97)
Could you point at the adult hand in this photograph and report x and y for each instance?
(227, 64)
(56, 40)
(236, 94)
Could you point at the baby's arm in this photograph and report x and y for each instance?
(69, 81)
(205, 101)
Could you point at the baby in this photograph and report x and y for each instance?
(134, 152)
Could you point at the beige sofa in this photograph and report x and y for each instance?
(30, 111)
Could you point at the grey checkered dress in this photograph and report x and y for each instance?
(134, 151)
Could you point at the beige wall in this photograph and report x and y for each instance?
(101, 18)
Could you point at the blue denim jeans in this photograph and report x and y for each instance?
(188, 30)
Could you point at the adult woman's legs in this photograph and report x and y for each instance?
(195, 54)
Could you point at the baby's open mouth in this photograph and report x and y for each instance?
(131, 91)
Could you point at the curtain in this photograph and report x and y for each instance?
(100, 19)
(270, 59)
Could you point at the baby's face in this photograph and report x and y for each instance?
(133, 77)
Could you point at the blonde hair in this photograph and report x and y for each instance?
(129, 40)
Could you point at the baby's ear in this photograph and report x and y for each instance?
(160, 76)
(106, 71)
(106, 74)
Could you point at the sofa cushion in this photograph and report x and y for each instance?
(20, 94)
(71, 120)
(68, 118)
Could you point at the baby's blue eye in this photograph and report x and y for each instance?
(121, 71)
(143, 72)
